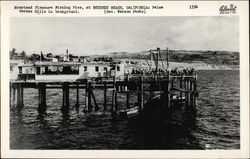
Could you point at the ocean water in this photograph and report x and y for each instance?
(215, 124)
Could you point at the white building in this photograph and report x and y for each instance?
(14, 68)
(70, 71)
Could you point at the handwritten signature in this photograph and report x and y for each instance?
(228, 9)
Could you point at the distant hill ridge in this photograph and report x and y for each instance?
(187, 56)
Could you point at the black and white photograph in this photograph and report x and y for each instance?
(124, 81)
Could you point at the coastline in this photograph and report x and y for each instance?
(195, 65)
(202, 66)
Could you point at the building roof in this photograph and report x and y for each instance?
(97, 63)
(57, 63)
(26, 65)
(16, 61)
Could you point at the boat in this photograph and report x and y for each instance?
(128, 112)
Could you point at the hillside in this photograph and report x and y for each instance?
(210, 59)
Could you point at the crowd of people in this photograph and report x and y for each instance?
(161, 71)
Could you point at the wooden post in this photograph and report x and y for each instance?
(140, 94)
(20, 104)
(172, 84)
(14, 96)
(191, 93)
(86, 98)
(168, 93)
(181, 88)
(142, 91)
(115, 103)
(96, 105)
(77, 97)
(167, 58)
(127, 100)
(195, 87)
(170, 89)
(65, 103)
(157, 60)
(186, 93)
(42, 106)
(113, 100)
(21, 96)
(105, 97)
(90, 107)
(115, 96)
(114, 81)
(18, 97)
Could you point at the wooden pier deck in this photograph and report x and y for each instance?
(171, 88)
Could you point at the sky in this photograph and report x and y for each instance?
(101, 35)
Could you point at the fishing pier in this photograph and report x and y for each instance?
(173, 90)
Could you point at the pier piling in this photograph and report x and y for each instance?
(168, 93)
(127, 100)
(96, 105)
(86, 109)
(105, 97)
(14, 96)
(115, 103)
(65, 102)
(20, 103)
(186, 93)
(191, 94)
(113, 100)
(140, 94)
(89, 104)
(181, 88)
(42, 106)
(196, 93)
(77, 97)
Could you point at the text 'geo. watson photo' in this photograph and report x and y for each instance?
(129, 83)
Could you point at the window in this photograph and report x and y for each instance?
(38, 71)
(70, 70)
(31, 70)
(43, 70)
(96, 69)
(112, 67)
(11, 68)
(118, 68)
(52, 70)
(27, 70)
(85, 68)
(55, 70)
(20, 70)
(46, 70)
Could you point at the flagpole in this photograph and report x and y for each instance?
(41, 56)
